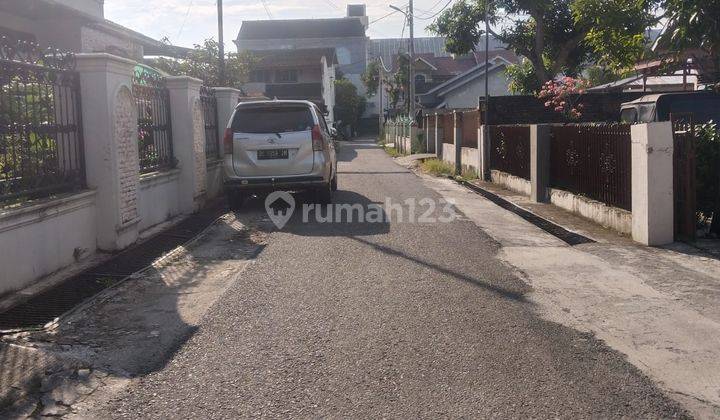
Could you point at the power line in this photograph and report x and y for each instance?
(428, 11)
(438, 12)
(333, 5)
(187, 13)
(402, 35)
(267, 10)
(381, 18)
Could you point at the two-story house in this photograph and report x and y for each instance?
(300, 39)
(346, 35)
(76, 26)
(307, 73)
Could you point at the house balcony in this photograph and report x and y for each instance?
(305, 91)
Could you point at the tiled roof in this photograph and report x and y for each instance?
(452, 66)
(505, 54)
(388, 47)
(446, 66)
(301, 28)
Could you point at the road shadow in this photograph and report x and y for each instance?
(500, 291)
(349, 214)
(135, 327)
(346, 152)
(703, 248)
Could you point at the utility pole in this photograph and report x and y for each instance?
(380, 96)
(411, 52)
(411, 70)
(221, 45)
(486, 119)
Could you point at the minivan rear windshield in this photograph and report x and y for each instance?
(272, 119)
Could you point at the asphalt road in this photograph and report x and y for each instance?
(385, 320)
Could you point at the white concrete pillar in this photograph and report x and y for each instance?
(188, 140)
(427, 132)
(539, 163)
(457, 140)
(110, 130)
(227, 100)
(652, 183)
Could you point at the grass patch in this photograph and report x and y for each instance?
(437, 167)
(469, 175)
(393, 152)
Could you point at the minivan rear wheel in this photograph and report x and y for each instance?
(235, 200)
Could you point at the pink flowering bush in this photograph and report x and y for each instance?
(562, 96)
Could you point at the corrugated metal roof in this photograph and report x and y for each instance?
(388, 47)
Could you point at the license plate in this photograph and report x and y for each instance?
(272, 154)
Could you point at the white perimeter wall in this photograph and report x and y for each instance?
(158, 198)
(39, 239)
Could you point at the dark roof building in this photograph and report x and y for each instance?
(301, 28)
(346, 36)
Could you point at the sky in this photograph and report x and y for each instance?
(189, 22)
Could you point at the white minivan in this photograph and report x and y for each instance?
(278, 145)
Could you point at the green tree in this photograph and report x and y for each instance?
(600, 75)
(707, 142)
(522, 78)
(556, 36)
(693, 24)
(202, 62)
(398, 85)
(371, 78)
(395, 84)
(349, 105)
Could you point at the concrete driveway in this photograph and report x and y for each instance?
(395, 319)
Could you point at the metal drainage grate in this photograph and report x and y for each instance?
(52, 303)
(570, 238)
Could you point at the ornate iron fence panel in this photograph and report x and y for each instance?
(210, 115)
(41, 141)
(594, 161)
(510, 149)
(154, 125)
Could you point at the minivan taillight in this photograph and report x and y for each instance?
(228, 141)
(317, 139)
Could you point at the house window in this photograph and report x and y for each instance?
(286, 76)
(260, 76)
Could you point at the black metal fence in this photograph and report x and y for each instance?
(41, 142)
(154, 124)
(210, 117)
(510, 149)
(684, 177)
(594, 161)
